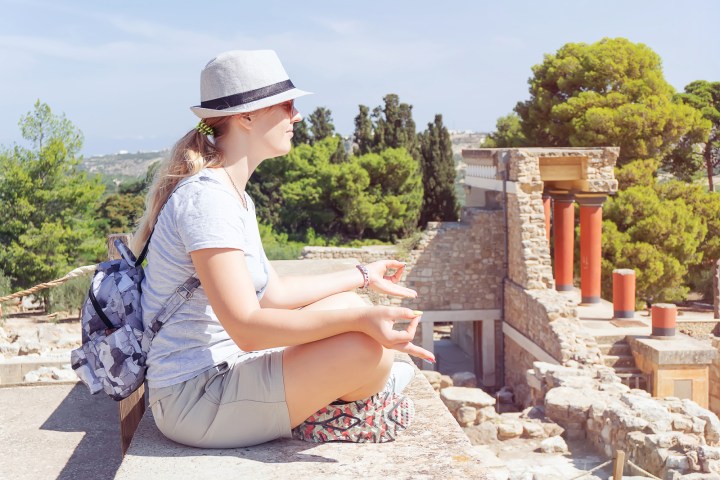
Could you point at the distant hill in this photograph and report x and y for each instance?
(123, 164)
(462, 140)
(122, 167)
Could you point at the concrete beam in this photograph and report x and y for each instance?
(528, 345)
(491, 184)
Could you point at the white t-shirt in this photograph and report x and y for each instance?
(202, 213)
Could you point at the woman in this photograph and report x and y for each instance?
(250, 355)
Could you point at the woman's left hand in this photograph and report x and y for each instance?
(382, 283)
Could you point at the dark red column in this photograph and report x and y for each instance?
(590, 245)
(564, 241)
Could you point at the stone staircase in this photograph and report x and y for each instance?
(618, 355)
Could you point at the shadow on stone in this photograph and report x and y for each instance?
(98, 453)
(277, 451)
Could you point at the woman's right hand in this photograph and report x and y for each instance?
(378, 324)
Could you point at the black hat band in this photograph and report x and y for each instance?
(230, 101)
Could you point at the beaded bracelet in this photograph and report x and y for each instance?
(366, 276)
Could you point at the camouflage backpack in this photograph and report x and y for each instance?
(114, 342)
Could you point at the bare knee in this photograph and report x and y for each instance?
(361, 350)
(351, 300)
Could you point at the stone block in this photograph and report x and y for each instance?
(682, 423)
(552, 429)
(485, 414)
(564, 405)
(677, 462)
(680, 350)
(434, 378)
(505, 396)
(466, 416)
(509, 428)
(553, 445)
(456, 397)
(29, 347)
(464, 379)
(712, 424)
(445, 381)
(533, 430)
(482, 434)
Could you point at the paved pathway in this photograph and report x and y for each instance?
(58, 431)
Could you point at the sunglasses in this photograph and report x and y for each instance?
(289, 107)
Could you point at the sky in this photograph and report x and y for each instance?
(126, 72)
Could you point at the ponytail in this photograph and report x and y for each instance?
(191, 153)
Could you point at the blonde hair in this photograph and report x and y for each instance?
(191, 153)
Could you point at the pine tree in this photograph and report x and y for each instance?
(363, 136)
(47, 219)
(321, 124)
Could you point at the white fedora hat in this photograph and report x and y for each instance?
(243, 81)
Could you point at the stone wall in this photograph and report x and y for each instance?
(517, 362)
(529, 263)
(367, 254)
(714, 378)
(459, 265)
(667, 437)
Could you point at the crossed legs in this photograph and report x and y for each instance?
(349, 366)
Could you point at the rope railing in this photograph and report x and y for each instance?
(78, 272)
(644, 472)
(584, 474)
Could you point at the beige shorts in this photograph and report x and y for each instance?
(238, 403)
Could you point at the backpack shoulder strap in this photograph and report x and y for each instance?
(143, 254)
(182, 294)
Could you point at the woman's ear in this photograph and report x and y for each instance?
(244, 121)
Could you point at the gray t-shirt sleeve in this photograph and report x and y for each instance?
(210, 218)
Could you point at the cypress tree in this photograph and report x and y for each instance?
(438, 169)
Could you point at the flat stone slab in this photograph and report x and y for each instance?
(12, 370)
(58, 432)
(433, 447)
(678, 350)
(313, 266)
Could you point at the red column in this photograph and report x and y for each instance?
(546, 208)
(664, 319)
(564, 231)
(623, 293)
(590, 245)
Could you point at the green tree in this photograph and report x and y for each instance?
(696, 152)
(705, 206)
(48, 205)
(321, 124)
(658, 236)
(340, 155)
(363, 136)
(300, 133)
(393, 197)
(438, 174)
(119, 213)
(508, 133)
(369, 196)
(609, 93)
(397, 126)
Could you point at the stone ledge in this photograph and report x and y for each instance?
(433, 447)
(677, 350)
